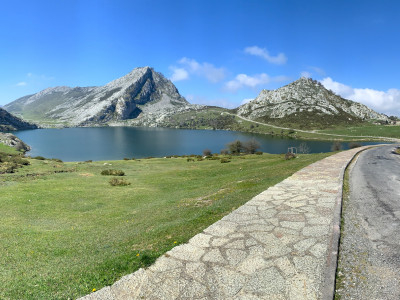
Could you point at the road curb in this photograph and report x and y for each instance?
(328, 288)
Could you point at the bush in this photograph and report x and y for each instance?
(125, 158)
(224, 151)
(224, 160)
(200, 159)
(189, 159)
(290, 155)
(88, 161)
(353, 145)
(235, 147)
(113, 172)
(21, 161)
(259, 153)
(336, 146)
(207, 152)
(251, 146)
(57, 160)
(8, 167)
(39, 158)
(119, 182)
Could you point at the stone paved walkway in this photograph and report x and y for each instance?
(282, 244)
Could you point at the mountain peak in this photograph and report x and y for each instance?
(142, 91)
(306, 98)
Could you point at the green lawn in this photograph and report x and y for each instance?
(65, 230)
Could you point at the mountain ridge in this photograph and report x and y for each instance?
(145, 97)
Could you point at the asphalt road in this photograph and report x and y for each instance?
(369, 259)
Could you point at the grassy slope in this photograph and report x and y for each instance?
(65, 230)
(8, 149)
(199, 120)
(367, 130)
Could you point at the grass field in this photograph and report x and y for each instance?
(65, 230)
(367, 130)
(218, 118)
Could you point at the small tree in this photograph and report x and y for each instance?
(251, 146)
(207, 152)
(235, 147)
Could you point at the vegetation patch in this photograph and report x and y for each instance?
(117, 181)
(113, 172)
(64, 233)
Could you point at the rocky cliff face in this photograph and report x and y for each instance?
(9, 122)
(133, 96)
(305, 96)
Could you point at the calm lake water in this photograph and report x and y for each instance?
(110, 143)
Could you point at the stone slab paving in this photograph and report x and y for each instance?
(282, 244)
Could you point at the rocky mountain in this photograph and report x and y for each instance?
(9, 122)
(304, 101)
(139, 97)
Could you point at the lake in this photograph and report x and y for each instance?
(111, 143)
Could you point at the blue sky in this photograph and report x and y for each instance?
(216, 52)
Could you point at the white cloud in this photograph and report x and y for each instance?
(22, 83)
(280, 59)
(190, 66)
(385, 102)
(244, 80)
(179, 74)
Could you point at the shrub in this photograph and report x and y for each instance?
(200, 159)
(57, 160)
(259, 153)
(125, 158)
(120, 182)
(113, 172)
(235, 147)
(290, 155)
(39, 158)
(88, 161)
(189, 159)
(251, 146)
(336, 146)
(20, 161)
(353, 145)
(207, 152)
(224, 160)
(224, 151)
(8, 167)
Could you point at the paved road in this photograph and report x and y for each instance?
(370, 251)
